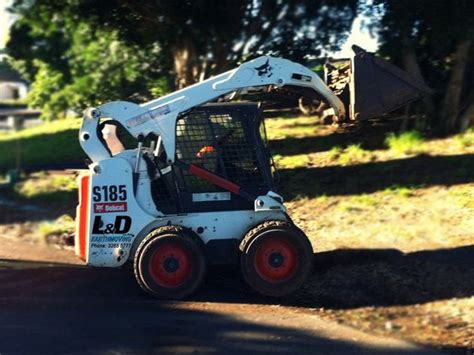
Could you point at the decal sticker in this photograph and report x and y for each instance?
(265, 69)
(126, 238)
(121, 225)
(111, 241)
(138, 120)
(110, 193)
(110, 207)
(160, 111)
(211, 196)
(144, 117)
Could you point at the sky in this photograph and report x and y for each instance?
(5, 22)
(359, 35)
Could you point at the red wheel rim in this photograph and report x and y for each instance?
(275, 260)
(170, 265)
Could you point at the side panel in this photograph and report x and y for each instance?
(115, 217)
(116, 223)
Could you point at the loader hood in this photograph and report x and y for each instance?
(380, 87)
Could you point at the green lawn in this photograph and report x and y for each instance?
(51, 143)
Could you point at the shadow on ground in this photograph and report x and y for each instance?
(351, 278)
(422, 170)
(342, 279)
(65, 309)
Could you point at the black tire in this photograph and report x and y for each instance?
(276, 258)
(169, 263)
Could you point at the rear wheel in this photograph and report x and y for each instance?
(169, 264)
(276, 258)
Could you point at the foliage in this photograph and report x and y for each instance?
(73, 64)
(406, 143)
(207, 37)
(47, 92)
(80, 53)
(429, 35)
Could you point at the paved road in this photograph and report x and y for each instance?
(53, 305)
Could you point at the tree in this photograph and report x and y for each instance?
(433, 40)
(73, 64)
(70, 44)
(205, 37)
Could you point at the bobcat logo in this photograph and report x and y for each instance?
(265, 69)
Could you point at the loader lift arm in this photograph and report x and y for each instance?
(159, 116)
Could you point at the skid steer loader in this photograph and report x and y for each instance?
(197, 188)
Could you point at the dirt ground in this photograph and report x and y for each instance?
(54, 306)
(393, 233)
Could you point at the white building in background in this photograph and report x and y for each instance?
(12, 87)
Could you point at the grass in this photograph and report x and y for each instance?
(409, 142)
(358, 203)
(42, 186)
(352, 154)
(42, 183)
(402, 191)
(63, 224)
(464, 198)
(51, 143)
(283, 127)
(291, 162)
(466, 139)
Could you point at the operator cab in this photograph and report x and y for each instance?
(223, 138)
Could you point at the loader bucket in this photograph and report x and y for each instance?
(378, 87)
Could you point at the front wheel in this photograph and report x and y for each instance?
(169, 264)
(276, 258)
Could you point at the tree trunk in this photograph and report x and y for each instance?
(186, 63)
(410, 62)
(466, 119)
(452, 99)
